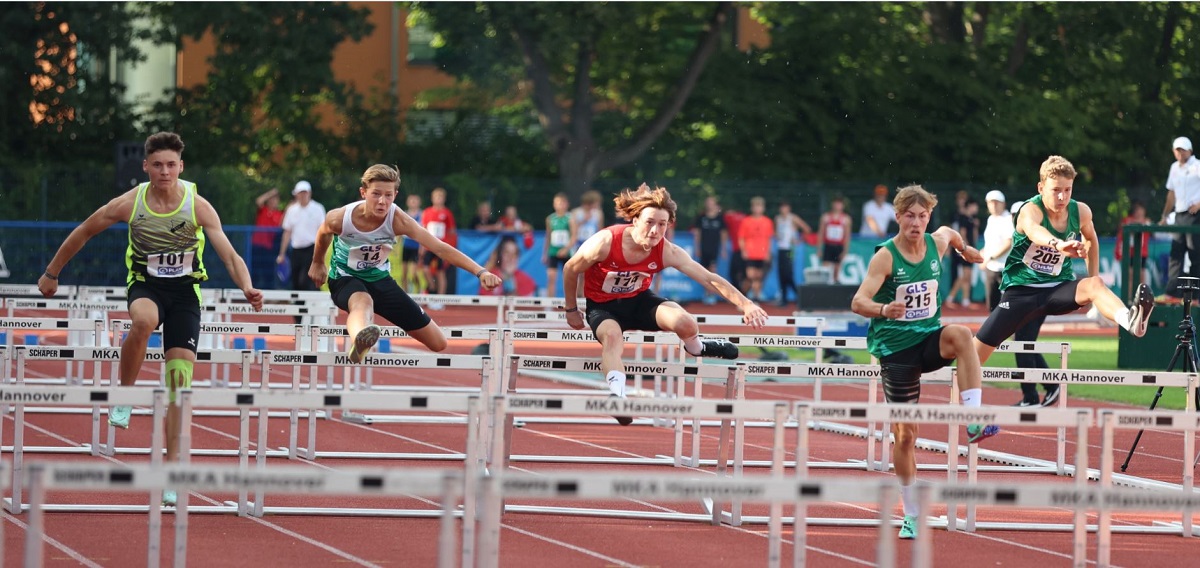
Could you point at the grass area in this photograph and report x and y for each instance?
(1087, 352)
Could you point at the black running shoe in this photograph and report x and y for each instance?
(1139, 314)
(1025, 403)
(622, 420)
(1051, 397)
(719, 349)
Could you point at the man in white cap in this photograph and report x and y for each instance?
(1183, 199)
(300, 223)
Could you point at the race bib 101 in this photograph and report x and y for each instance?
(1044, 260)
(170, 264)
(920, 299)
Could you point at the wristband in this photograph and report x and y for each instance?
(480, 273)
(571, 310)
(47, 275)
(1053, 243)
(881, 307)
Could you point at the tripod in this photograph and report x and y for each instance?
(1185, 351)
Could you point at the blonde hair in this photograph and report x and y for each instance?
(381, 172)
(630, 203)
(1056, 167)
(910, 195)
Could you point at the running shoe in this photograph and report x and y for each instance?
(719, 349)
(1139, 314)
(908, 528)
(169, 498)
(119, 416)
(1051, 397)
(978, 432)
(622, 420)
(363, 342)
(1025, 403)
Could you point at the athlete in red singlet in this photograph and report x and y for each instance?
(619, 264)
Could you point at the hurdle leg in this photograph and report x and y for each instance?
(157, 438)
(775, 523)
(739, 444)
(723, 443)
(471, 474)
(972, 479)
(872, 398)
(1104, 522)
(260, 455)
(181, 506)
(800, 508)
(18, 460)
(451, 489)
(922, 553)
(243, 506)
(885, 555)
(1081, 481)
(35, 531)
(678, 427)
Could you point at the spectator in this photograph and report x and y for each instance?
(412, 276)
(878, 215)
(754, 238)
(483, 219)
(505, 262)
(709, 237)
(787, 227)
(560, 233)
(513, 223)
(963, 272)
(588, 217)
(264, 242)
(737, 265)
(833, 236)
(1183, 197)
(439, 221)
(997, 240)
(1137, 216)
(300, 223)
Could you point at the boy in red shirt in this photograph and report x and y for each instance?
(439, 221)
(754, 239)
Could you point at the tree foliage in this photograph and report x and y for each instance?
(604, 80)
(58, 102)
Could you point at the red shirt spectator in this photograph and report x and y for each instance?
(439, 221)
(267, 216)
(755, 233)
(733, 222)
(1131, 220)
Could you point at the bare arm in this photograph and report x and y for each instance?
(332, 225)
(402, 224)
(678, 259)
(1029, 223)
(590, 252)
(264, 196)
(947, 237)
(1169, 206)
(117, 210)
(207, 217)
(546, 243)
(1088, 231)
(800, 224)
(864, 303)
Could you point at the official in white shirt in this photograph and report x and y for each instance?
(300, 223)
(1183, 198)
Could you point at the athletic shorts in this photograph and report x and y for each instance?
(1019, 304)
(926, 356)
(178, 311)
(556, 262)
(433, 261)
(832, 253)
(636, 312)
(410, 254)
(756, 264)
(391, 302)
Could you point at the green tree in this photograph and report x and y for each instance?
(604, 81)
(271, 74)
(58, 101)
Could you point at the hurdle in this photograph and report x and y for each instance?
(480, 364)
(98, 355)
(19, 395)
(44, 476)
(70, 325)
(352, 377)
(1186, 422)
(731, 374)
